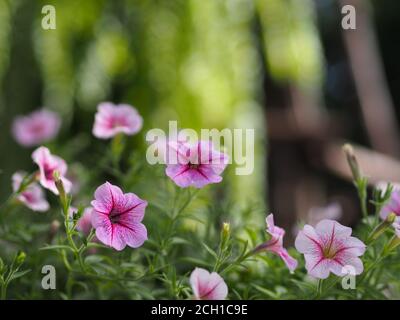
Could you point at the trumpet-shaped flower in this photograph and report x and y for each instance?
(117, 217)
(112, 119)
(195, 164)
(33, 196)
(208, 286)
(275, 244)
(329, 247)
(48, 164)
(36, 128)
(393, 205)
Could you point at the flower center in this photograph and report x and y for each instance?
(114, 216)
(117, 122)
(329, 252)
(193, 165)
(48, 172)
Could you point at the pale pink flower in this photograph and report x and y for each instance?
(84, 223)
(330, 248)
(275, 244)
(36, 128)
(112, 119)
(33, 196)
(208, 286)
(48, 164)
(195, 164)
(393, 205)
(117, 217)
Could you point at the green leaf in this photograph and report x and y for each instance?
(19, 274)
(57, 247)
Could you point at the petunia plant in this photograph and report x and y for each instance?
(124, 229)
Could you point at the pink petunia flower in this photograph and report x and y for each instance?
(112, 119)
(197, 164)
(84, 223)
(330, 248)
(393, 205)
(117, 217)
(48, 164)
(208, 286)
(33, 196)
(275, 244)
(36, 128)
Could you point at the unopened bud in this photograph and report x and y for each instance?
(20, 258)
(225, 234)
(352, 161)
(381, 228)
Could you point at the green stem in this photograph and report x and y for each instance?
(319, 288)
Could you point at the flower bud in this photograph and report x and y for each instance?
(381, 228)
(352, 161)
(225, 234)
(20, 258)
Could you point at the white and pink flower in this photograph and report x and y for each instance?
(48, 164)
(112, 119)
(329, 247)
(36, 128)
(208, 286)
(33, 196)
(275, 244)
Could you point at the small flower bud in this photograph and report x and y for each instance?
(225, 234)
(20, 258)
(352, 161)
(381, 228)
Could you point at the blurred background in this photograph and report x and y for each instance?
(283, 67)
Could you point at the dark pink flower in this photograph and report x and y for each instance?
(208, 286)
(33, 196)
(48, 164)
(275, 244)
(330, 248)
(195, 164)
(36, 128)
(117, 217)
(112, 119)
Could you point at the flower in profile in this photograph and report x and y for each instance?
(117, 217)
(393, 206)
(33, 196)
(36, 128)
(112, 119)
(84, 223)
(330, 248)
(275, 244)
(196, 164)
(48, 164)
(208, 286)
